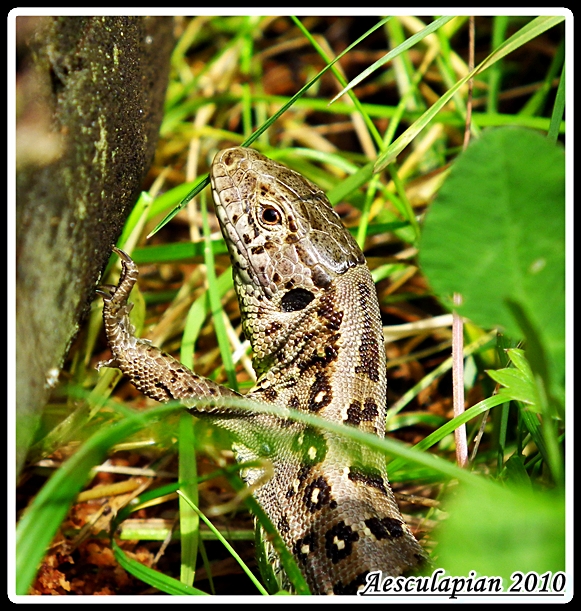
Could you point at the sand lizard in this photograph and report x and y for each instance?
(310, 310)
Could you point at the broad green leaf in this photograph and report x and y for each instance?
(496, 236)
(506, 530)
(516, 471)
(517, 387)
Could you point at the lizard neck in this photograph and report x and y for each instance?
(337, 368)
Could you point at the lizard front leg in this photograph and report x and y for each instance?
(152, 371)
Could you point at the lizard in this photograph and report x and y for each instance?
(310, 311)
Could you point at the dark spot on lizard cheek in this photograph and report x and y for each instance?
(291, 238)
(320, 277)
(296, 299)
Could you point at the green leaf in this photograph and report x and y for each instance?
(506, 530)
(215, 302)
(517, 387)
(516, 471)
(518, 381)
(496, 235)
(189, 520)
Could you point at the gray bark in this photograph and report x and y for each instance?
(89, 105)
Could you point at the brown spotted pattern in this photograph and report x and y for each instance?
(369, 343)
(363, 416)
(310, 311)
(368, 477)
(385, 528)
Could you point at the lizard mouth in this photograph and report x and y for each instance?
(236, 247)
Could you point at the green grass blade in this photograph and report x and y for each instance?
(215, 302)
(135, 222)
(225, 543)
(536, 102)
(410, 42)
(178, 251)
(383, 111)
(350, 184)
(558, 109)
(158, 580)
(197, 315)
(189, 520)
(451, 426)
(500, 24)
(201, 182)
(528, 32)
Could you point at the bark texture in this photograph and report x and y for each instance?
(90, 93)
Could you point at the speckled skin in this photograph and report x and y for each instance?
(310, 311)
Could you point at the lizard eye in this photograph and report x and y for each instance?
(270, 215)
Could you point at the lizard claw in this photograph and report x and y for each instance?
(122, 255)
(116, 307)
(106, 290)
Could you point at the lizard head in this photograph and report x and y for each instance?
(285, 240)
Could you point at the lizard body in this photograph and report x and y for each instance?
(310, 311)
